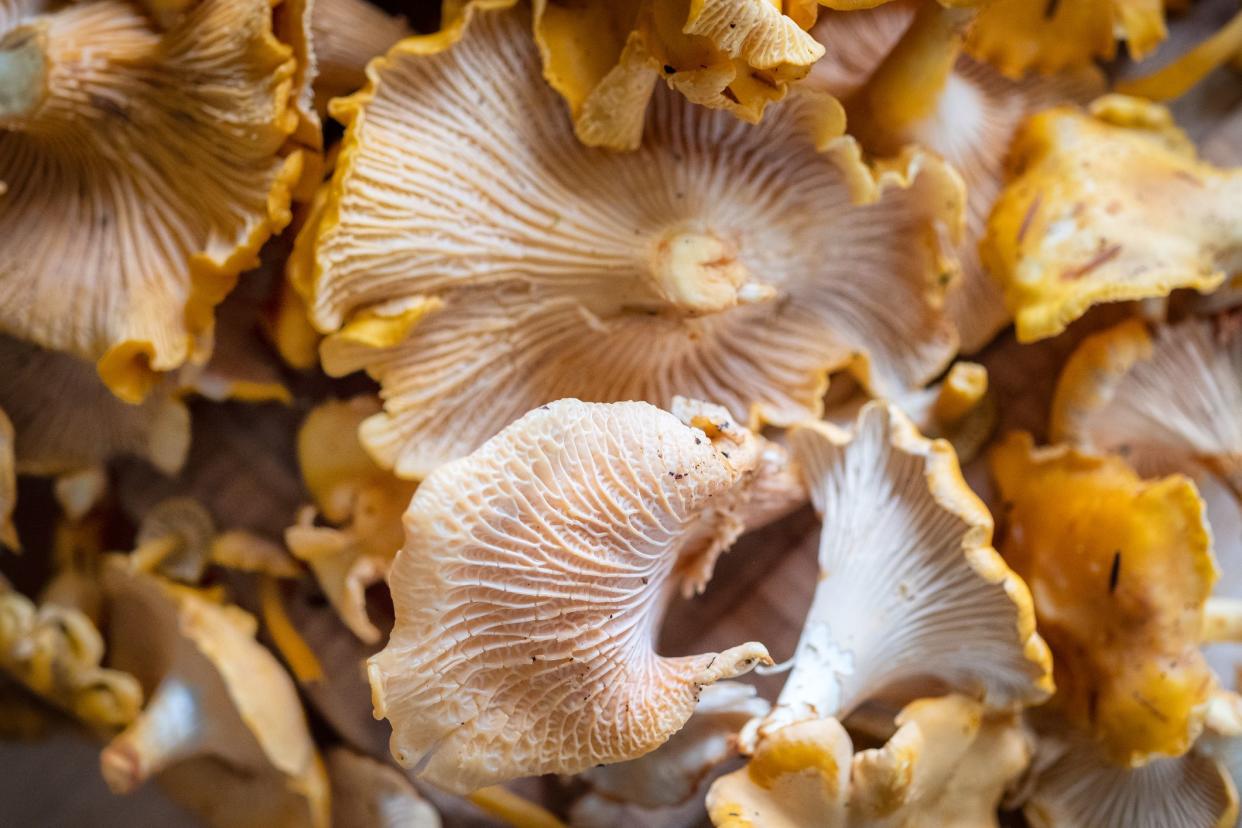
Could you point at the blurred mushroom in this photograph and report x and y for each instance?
(1178, 77)
(900, 71)
(346, 35)
(8, 485)
(606, 58)
(530, 591)
(368, 794)
(1107, 206)
(217, 699)
(143, 169)
(722, 261)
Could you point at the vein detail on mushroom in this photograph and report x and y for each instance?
(143, 167)
(532, 585)
(721, 260)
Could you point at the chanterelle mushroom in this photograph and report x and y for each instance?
(912, 595)
(900, 71)
(1107, 206)
(1121, 569)
(8, 484)
(530, 591)
(606, 58)
(142, 170)
(1170, 399)
(721, 260)
(371, 794)
(215, 696)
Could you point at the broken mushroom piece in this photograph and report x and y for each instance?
(56, 652)
(900, 72)
(606, 58)
(1121, 569)
(1050, 36)
(721, 260)
(142, 171)
(216, 698)
(1108, 206)
(371, 794)
(911, 597)
(1168, 398)
(948, 763)
(530, 590)
(353, 493)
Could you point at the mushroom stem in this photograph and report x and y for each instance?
(960, 392)
(699, 273)
(23, 73)
(149, 554)
(1222, 620)
(168, 730)
(1181, 75)
(906, 86)
(516, 810)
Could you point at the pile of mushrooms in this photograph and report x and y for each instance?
(756, 413)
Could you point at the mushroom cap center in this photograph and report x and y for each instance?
(23, 71)
(699, 273)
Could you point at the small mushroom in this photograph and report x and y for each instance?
(722, 261)
(143, 168)
(948, 763)
(1108, 206)
(1121, 569)
(530, 590)
(369, 794)
(220, 709)
(911, 593)
(606, 58)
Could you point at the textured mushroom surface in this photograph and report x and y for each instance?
(530, 591)
(1121, 569)
(141, 170)
(606, 57)
(1108, 206)
(1169, 399)
(722, 261)
(947, 764)
(911, 593)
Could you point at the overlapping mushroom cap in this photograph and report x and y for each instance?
(721, 260)
(606, 58)
(948, 763)
(908, 577)
(1108, 206)
(1169, 399)
(899, 70)
(530, 591)
(370, 794)
(142, 169)
(1121, 569)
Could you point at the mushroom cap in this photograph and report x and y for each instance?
(531, 587)
(128, 114)
(346, 35)
(66, 420)
(605, 59)
(8, 484)
(370, 794)
(1169, 399)
(1107, 206)
(908, 577)
(1121, 569)
(1018, 36)
(947, 764)
(970, 124)
(604, 276)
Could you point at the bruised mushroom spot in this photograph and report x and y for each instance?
(1104, 256)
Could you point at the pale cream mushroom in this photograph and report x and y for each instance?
(221, 711)
(721, 260)
(530, 591)
(8, 484)
(370, 794)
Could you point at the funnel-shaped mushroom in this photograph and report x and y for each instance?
(900, 71)
(216, 697)
(55, 652)
(605, 58)
(8, 484)
(1108, 206)
(1168, 399)
(1051, 36)
(351, 492)
(66, 420)
(948, 763)
(142, 170)
(912, 595)
(1121, 569)
(530, 590)
(722, 260)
